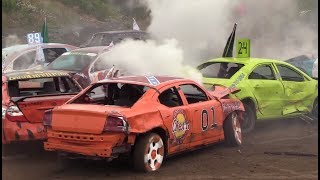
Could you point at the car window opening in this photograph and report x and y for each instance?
(42, 86)
(118, 94)
(170, 98)
(223, 70)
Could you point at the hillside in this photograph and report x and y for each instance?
(69, 21)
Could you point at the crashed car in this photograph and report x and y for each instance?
(21, 57)
(86, 65)
(105, 38)
(25, 97)
(149, 117)
(270, 89)
(306, 64)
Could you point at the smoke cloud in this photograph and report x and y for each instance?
(277, 29)
(187, 33)
(151, 58)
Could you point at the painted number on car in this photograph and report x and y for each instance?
(34, 38)
(243, 48)
(205, 119)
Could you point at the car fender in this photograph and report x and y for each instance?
(232, 105)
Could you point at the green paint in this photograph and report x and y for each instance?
(274, 98)
(243, 48)
(44, 32)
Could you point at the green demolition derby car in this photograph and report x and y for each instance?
(269, 88)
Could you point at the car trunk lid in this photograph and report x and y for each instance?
(33, 107)
(82, 118)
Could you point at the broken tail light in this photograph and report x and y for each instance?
(116, 124)
(14, 114)
(47, 118)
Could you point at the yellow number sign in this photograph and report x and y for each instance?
(243, 48)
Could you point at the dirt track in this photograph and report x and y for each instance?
(214, 162)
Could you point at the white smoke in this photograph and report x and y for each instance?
(189, 32)
(151, 58)
(201, 27)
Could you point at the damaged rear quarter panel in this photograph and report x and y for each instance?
(144, 117)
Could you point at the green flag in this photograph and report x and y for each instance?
(44, 32)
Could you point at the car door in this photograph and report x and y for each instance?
(267, 89)
(206, 127)
(297, 90)
(176, 119)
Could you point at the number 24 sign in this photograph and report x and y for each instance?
(34, 38)
(243, 48)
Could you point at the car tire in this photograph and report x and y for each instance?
(148, 154)
(62, 162)
(232, 130)
(249, 121)
(315, 109)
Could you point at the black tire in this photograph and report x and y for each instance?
(62, 162)
(315, 109)
(146, 159)
(249, 120)
(232, 130)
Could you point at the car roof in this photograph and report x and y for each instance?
(93, 49)
(122, 31)
(145, 80)
(246, 61)
(20, 47)
(22, 73)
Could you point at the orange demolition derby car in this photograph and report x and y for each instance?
(26, 95)
(148, 117)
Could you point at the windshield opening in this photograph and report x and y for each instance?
(224, 70)
(118, 94)
(72, 61)
(42, 86)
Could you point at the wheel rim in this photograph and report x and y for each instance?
(237, 128)
(154, 154)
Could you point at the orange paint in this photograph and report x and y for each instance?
(182, 127)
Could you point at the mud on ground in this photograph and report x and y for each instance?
(214, 162)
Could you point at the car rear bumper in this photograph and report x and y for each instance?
(104, 146)
(21, 131)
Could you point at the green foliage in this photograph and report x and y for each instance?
(100, 9)
(9, 5)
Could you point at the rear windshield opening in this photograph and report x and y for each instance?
(42, 86)
(223, 70)
(118, 94)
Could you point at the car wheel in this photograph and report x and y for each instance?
(148, 154)
(232, 130)
(249, 120)
(62, 162)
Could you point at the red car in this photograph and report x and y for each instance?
(149, 117)
(25, 97)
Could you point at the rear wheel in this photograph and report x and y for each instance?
(148, 154)
(249, 120)
(232, 130)
(315, 109)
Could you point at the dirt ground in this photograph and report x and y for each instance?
(214, 162)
